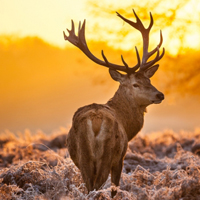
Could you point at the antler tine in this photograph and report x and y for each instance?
(138, 24)
(151, 21)
(79, 26)
(130, 70)
(159, 45)
(133, 69)
(105, 59)
(125, 64)
(152, 62)
(138, 58)
(72, 37)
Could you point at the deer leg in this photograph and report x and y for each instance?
(103, 171)
(95, 174)
(88, 175)
(115, 175)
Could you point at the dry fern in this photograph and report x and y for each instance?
(166, 166)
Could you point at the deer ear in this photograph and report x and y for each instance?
(151, 71)
(115, 75)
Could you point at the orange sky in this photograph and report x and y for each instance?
(39, 18)
(42, 83)
(179, 21)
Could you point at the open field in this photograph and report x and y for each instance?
(157, 166)
(44, 79)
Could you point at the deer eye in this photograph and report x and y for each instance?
(135, 85)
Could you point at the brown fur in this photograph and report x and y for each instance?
(96, 149)
(98, 139)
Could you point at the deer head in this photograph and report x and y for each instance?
(136, 79)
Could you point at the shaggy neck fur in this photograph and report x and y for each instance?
(127, 112)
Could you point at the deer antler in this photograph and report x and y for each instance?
(80, 42)
(145, 36)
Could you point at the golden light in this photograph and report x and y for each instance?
(41, 72)
(49, 20)
(40, 18)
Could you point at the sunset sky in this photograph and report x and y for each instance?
(44, 80)
(48, 20)
(45, 19)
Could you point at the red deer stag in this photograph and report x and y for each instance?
(98, 139)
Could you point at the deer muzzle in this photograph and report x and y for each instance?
(159, 97)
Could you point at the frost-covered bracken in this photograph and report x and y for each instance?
(157, 166)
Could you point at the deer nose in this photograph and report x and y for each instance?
(160, 96)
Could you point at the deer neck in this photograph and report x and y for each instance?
(127, 112)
